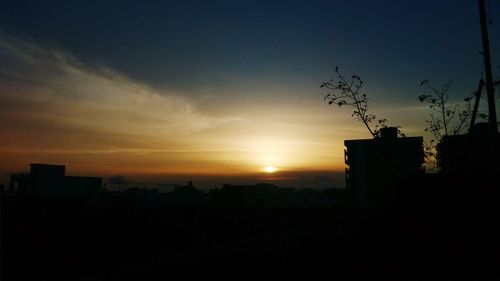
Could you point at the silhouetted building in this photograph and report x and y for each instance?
(188, 195)
(50, 181)
(262, 194)
(470, 166)
(185, 188)
(249, 188)
(475, 154)
(381, 167)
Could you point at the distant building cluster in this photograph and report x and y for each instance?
(50, 183)
(258, 195)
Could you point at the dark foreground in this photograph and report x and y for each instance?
(40, 243)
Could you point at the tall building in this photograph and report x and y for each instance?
(380, 168)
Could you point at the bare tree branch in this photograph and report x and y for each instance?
(450, 119)
(347, 93)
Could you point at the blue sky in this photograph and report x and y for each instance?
(191, 44)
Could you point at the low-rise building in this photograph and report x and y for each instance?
(50, 182)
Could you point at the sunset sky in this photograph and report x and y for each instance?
(165, 91)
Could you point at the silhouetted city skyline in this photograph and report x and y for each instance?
(261, 140)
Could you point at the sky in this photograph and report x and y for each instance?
(216, 91)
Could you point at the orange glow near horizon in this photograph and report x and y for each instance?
(99, 122)
(270, 169)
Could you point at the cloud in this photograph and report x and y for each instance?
(51, 100)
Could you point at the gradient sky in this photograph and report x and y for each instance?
(214, 89)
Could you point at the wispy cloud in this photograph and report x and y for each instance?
(53, 95)
(55, 108)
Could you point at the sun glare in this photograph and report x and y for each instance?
(270, 169)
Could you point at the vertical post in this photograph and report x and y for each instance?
(476, 105)
(487, 65)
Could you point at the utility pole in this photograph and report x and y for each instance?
(492, 114)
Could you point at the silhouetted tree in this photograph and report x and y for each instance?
(446, 119)
(346, 92)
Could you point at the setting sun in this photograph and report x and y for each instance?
(270, 169)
